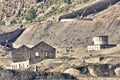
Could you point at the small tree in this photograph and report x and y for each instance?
(30, 14)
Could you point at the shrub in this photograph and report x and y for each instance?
(58, 11)
(30, 14)
(2, 23)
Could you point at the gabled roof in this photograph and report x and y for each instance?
(41, 44)
(17, 57)
(21, 47)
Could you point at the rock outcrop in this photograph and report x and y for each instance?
(117, 72)
(101, 70)
(73, 72)
(6, 39)
(29, 75)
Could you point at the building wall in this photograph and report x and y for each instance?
(20, 54)
(99, 47)
(68, 20)
(35, 54)
(43, 52)
(93, 47)
(20, 65)
(100, 40)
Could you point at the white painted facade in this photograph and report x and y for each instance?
(20, 65)
(68, 20)
(93, 47)
(100, 40)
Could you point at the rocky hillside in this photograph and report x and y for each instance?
(90, 9)
(29, 75)
(77, 32)
(22, 11)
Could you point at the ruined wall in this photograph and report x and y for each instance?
(93, 8)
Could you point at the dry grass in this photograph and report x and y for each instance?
(5, 62)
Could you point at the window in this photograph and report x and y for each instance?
(46, 53)
(36, 54)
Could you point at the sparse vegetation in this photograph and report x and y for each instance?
(30, 14)
(19, 21)
(58, 11)
(36, 9)
(2, 23)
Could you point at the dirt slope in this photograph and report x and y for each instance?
(75, 33)
(96, 7)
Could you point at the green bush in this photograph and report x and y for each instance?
(2, 23)
(30, 14)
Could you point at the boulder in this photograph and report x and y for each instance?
(117, 72)
(101, 70)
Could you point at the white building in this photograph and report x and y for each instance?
(20, 65)
(100, 42)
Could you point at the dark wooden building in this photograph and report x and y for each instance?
(21, 54)
(24, 56)
(42, 51)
